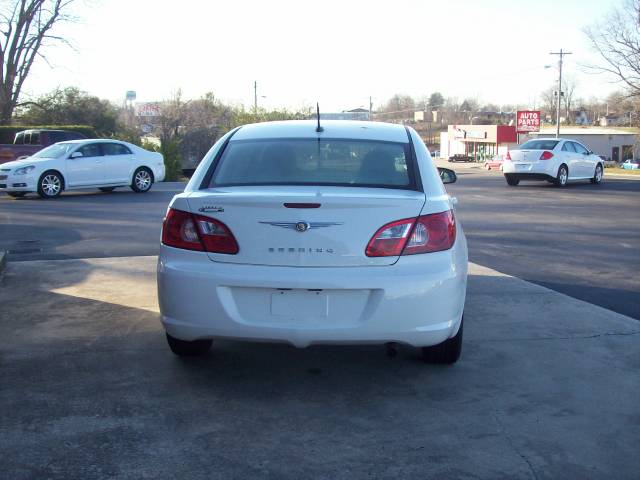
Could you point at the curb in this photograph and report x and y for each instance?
(3, 260)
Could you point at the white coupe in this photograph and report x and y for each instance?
(76, 164)
(556, 160)
(291, 233)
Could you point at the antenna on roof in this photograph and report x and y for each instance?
(318, 128)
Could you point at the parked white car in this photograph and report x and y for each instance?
(287, 234)
(556, 160)
(105, 164)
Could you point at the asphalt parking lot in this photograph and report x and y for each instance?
(583, 241)
(547, 386)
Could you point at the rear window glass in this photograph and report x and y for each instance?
(315, 162)
(541, 144)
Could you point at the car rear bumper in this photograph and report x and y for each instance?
(532, 171)
(418, 301)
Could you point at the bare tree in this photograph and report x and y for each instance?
(569, 85)
(617, 40)
(548, 98)
(26, 26)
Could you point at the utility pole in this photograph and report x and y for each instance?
(370, 109)
(255, 97)
(561, 54)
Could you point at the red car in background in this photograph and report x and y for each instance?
(495, 163)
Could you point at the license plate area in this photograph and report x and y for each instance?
(300, 303)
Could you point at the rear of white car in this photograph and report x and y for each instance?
(290, 235)
(556, 160)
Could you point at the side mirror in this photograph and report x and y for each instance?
(76, 155)
(447, 175)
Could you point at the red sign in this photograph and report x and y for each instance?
(528, 121)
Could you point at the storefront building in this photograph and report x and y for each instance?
(477, 141)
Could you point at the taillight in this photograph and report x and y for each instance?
(196, 232)
(546, 155)
(427, 233)
(508, 156)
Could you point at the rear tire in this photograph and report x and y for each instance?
(447, 352)
(563, 176)
(107, 189)
(184, 348)
(17, 194)
(597, 175)
(511, 179)
(142, 180)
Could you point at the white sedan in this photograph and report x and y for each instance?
(105, 164)
(339, 236)
(556, 160)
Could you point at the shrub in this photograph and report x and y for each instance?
(172, 162)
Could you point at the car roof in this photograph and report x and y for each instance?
(91, 140)
(356, 130)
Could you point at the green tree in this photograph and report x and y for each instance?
(436, 101)
(71, 106)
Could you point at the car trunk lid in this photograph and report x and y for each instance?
(305, 226)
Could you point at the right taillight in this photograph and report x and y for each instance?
(508, 156)
(424, 234)
(546, 155)
(195, 232)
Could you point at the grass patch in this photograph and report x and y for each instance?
(621, 171)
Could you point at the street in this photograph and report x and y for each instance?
(583, 241)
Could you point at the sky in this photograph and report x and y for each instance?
(338, 53)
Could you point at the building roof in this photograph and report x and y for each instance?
(583, 131)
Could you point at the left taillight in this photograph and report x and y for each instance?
(195, 232)
(411, 236)
(546, 155)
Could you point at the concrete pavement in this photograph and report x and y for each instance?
(547, 387)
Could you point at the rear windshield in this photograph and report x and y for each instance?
(541, 144)
(311, 161)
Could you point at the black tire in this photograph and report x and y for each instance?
(511, 179)
(50, 184)
(107, 189)
(184, 348)
(447, 352)
(142, 180)
(563, 176)
(17, 194)
(597, 175)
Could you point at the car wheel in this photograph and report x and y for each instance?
(486, 165)
(142, 180)
(562, 177)
(107, 189)
(447, 351)
(511, 179)
(597, 175)
(16, 194)
(50, 184)
(184, 348)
